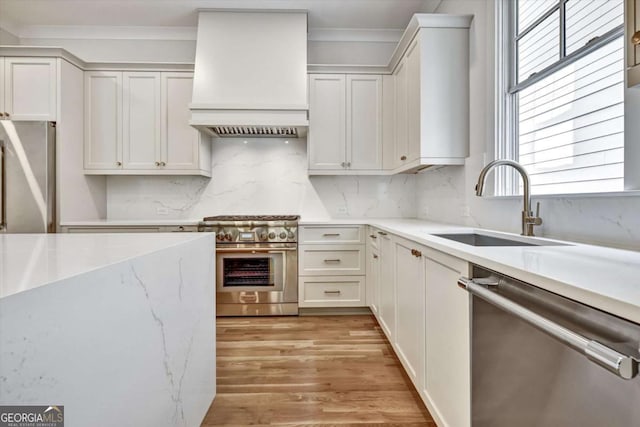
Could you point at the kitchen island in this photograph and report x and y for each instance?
(118, 328)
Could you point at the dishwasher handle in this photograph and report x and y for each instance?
(620, 364)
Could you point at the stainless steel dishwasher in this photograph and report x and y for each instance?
(539, 359)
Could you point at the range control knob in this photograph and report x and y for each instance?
(272, 235)
(283, 235)
(263, 235)
(220, 236)
(290, 235)
(228, 236)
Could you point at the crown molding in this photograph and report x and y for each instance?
(102, 32)
(354, 35)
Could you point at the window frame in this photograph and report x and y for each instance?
(506, 182)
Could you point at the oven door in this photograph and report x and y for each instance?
(251, 268)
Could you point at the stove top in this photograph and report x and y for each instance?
(248, 218)
(234, 229)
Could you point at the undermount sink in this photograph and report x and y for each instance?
(475, 239)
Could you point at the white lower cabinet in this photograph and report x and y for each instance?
(373, 271)
(410, 308)
(447, 386)
(331, 267)
(387, 286)
(426, 318)
(332, 291)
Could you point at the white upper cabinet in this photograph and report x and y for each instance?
(327, 122)
(345, 124)
(180, 142)
(29, 88)
(103, 120)
(364, 122)
(137, 123)
(401, 138)
(432, 94)
(141, 120)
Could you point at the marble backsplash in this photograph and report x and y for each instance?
(447, 195)
(264, 176)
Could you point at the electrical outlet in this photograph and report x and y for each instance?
(342, 210)
(162, 210)
(466, 211)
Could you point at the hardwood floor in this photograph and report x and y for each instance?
(320, 371)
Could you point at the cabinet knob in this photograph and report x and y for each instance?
(163, 164)
(343, 164)
(635, 38)
(118, 163)
(375, 256)
(348, 164)
(6, 114)
(403, 158)
(157, 163)
(1, 115)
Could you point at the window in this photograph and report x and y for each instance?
(564, 95)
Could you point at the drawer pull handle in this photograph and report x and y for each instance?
(332, 260)
(373, 236)
(331, 235)
(635, 39)
(332, 292)
(382, 233)
(416, 253)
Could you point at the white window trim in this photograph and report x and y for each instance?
(506, 181)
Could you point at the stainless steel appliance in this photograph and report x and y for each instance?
(256, 264)
(27, 177)
(539, 359)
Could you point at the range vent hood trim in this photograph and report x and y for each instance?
(260, 92)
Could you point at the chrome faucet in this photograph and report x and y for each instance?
(528, 220)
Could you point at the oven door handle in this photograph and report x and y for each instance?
(254, 250)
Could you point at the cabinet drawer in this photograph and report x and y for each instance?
(327, 260)
(336, 291)
(333, 234)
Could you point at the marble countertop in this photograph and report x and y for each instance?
(605, 278)
(28, 261)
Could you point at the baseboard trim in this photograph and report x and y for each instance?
(334, 311)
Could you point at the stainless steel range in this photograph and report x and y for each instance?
(256, 264)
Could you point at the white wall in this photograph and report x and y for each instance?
(7, 38)
(265, 176)
(445, 193)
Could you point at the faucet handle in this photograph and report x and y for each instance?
(536, 220)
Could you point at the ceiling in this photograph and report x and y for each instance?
(23, 16)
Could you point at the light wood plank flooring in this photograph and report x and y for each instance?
(320, 371)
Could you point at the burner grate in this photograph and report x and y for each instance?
(252, 218)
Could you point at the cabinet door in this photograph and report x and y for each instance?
(327, 126)
(30, 88)
(180, 141)
(448, 355)
(141, 120)
(410, 308)
(387, 287)
(364, 122)
(103, 120)
(413, 101)
(402, 149)
(373, 278)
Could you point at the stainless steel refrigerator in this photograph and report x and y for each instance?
(27, 177)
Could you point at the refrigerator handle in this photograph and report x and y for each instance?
(3, 188)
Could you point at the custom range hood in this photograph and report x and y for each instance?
(250, 76)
